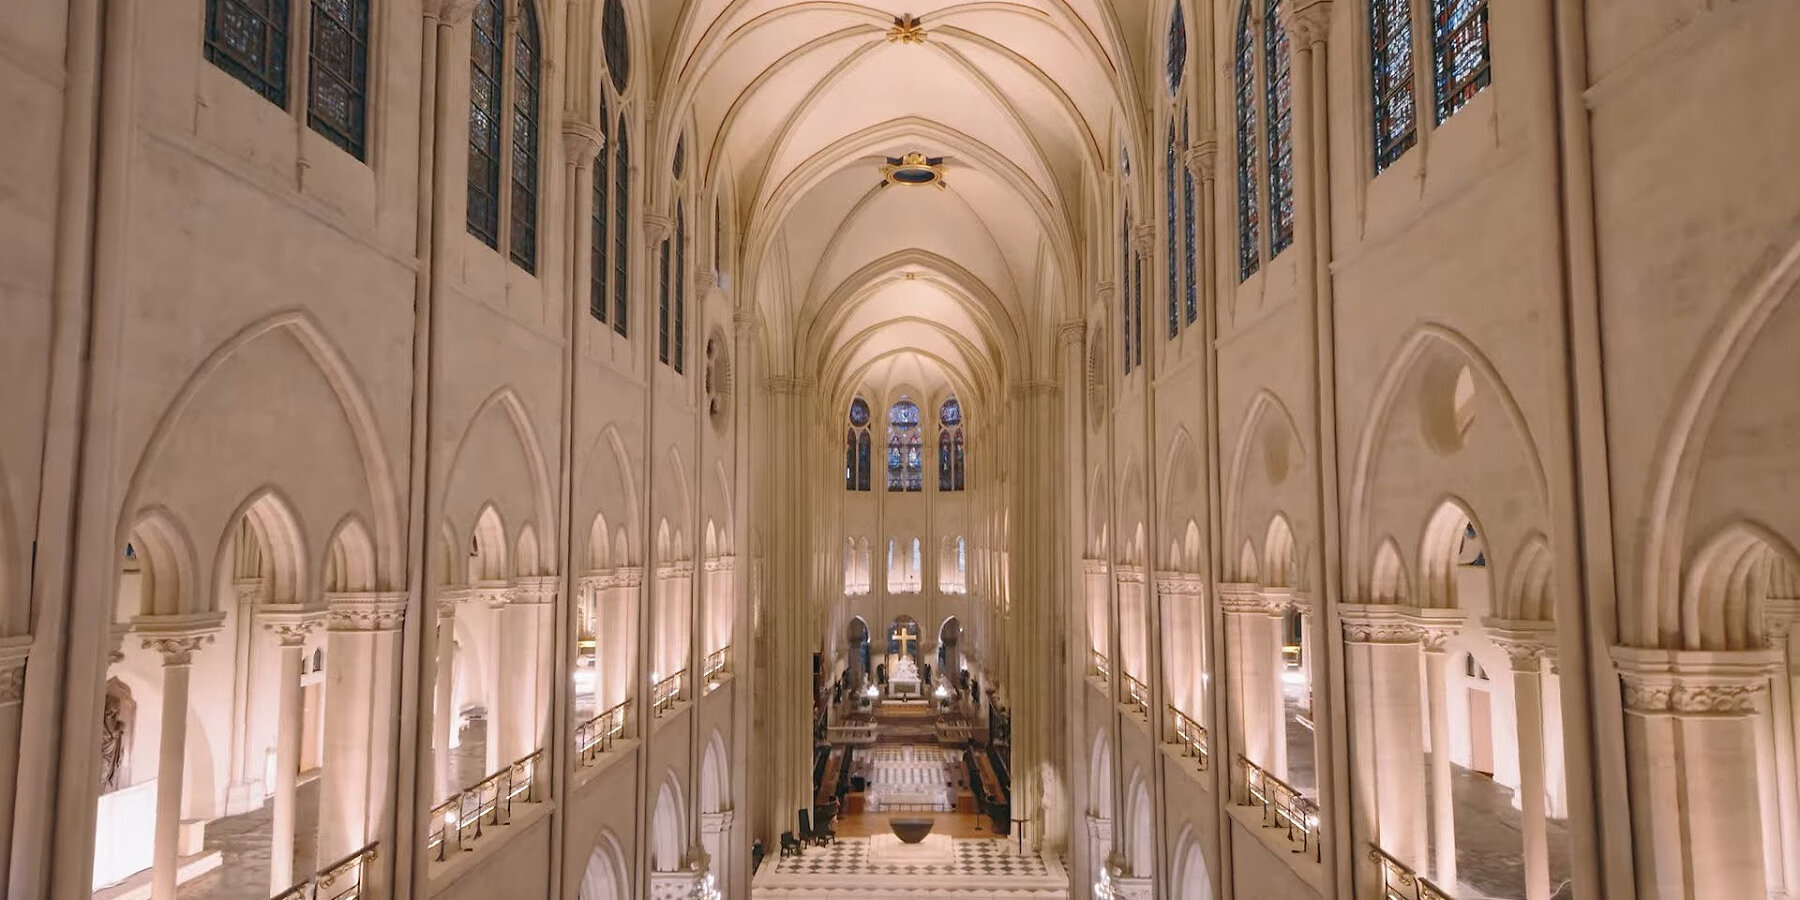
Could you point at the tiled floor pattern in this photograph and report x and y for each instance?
(974, 858)
(1490, 859)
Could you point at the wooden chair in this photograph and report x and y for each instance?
(807, 834)
(789, 845)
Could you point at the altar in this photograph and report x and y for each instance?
(903, 679)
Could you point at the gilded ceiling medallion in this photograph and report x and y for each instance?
(914, 169)
(906, 30)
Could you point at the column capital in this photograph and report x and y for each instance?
(1377, 624)
(1276, 600)
(449, 12)
(720, 563)
(1780, 615)
(1100, 828)
(715, 822)
(1309, 21)
(1037, 388)
(368, 612)
(1694, 683)
(1436, 626)
(250, 591)
(1143, 239)
(1528, 642)
(532, 590)
(1202, 159)
(1071, 333)
(628, 576)
(177, 637)
(290, 622)
(1180, 583)
(1240, 598)
(1128, 574)
(1105, 290)
(657, 228)
(581, 141)
(14, 652)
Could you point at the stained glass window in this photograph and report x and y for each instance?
(950, 446)
(249, 40)
(598, 244)
(1190, 287)
(662, 303)
(680, 336)
(621, 241)
(718, 247)
(1174, 262)
(905, 464)
(1137, 306)
(1244, 87)
(856, 447)
(1459, 47)
(338, 74)
(1125, 285)
(679, 166)
(485, 67)
(1391, 84)
(525, 139)
(616, 44)
(1280, 115)
(1177, 61)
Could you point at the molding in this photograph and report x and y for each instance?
(1072, 332)
(1694, 683)
(1436, 626)
(366, 612)
(14, 652)
(1528, 642)
(720, 563)
(1181, 584)
(1308, 22)
(290, 623)
(1241, 598)
(581, 141)
(1202, 159)
(788, 384)
(533, 590)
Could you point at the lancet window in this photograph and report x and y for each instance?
(952, 467)
(905, 465)
(856, 447)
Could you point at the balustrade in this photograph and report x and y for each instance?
(342, 880)
(664, 693)
(596, 735)
(1192, 737)
(460, 820)
(1282, 805)
(1100, 665)
(718, 663)
(1137, 694)
(1401, 883)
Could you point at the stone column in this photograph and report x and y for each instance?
(177, 638)
(715, 836)
(1690, 755)
(1435, 628)
(290, 627)
(1246, 661)
(443, 711)
(361, 669)
(1382, 649)
(1780, 614)
(523, 704)
(1529, 643)
(1274, 687)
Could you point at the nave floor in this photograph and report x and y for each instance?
(975, 868)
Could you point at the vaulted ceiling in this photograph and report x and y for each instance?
(796, 104)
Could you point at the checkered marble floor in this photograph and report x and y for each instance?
(984, 858)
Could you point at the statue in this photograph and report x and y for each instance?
(112, 744)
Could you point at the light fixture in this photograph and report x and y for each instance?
(914, 169)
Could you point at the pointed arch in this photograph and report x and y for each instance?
(349, 559)
(488, 547)
(667, 828)
(507, 401)
(1389, 583)
(1726, 585)
(286, 564)
(605, 878)
(715, 776)
(1528, 595)
(1450, 525)
(166, 560)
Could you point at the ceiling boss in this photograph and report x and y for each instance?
(906, 30)
(914, 168)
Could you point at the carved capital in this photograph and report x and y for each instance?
(1276, 601)
(744, 322)
(1308, 21)
(177, 637)
(1202, 159)
(629, 576)
(1436, 626)
(534, 590)
(657, 228)
(290, 623)
(788, 384)
(716, 822)
(14, 652)
(1388, 625)
(250, 591)
(1104, 292)
(365, 612)
(1241, 599)
(1071, 333)
(721, 563)
(1143, 238)
(581, 142)
(449, 12)
(1694, 683)
(1528, 643)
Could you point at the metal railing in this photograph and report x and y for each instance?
(718, 662)
(1401, 883)
(1192, 737)
(596, 735)
(1282, 805)
(342, 880)
(1137, 694)
(460, 820)
(664, 693)
(1100, 665)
